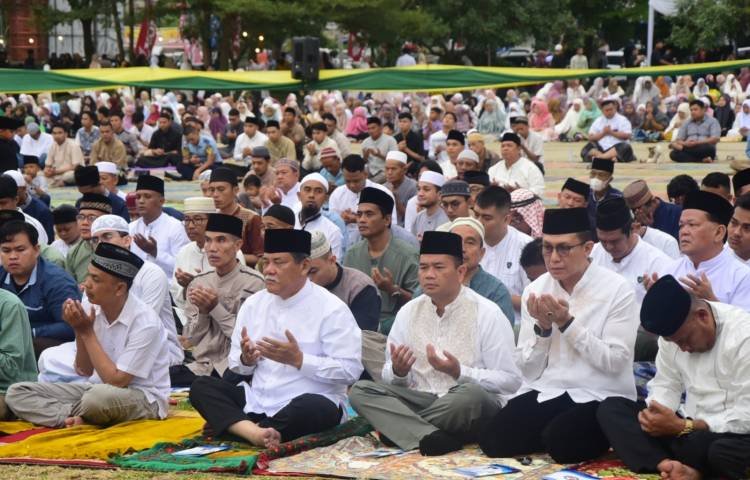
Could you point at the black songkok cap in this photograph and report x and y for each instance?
(561, 221)
(287, 240)
(442, 243)
(12, 215)
(456, 135)
(86, 176)
(576, 186)
(511, 137)
(8, 186)
(223, 174)
(64, 214)
(30, 160)
(603, 164)
(378, 197)
(272, 123)
(739, 180)
(710, 203)
(95, 201)
(219, 222)
(116, 261)
(7, 123)
(477, 178)
(150, 182)
(665, 307)
(612, 214)
(253, 120)
(281, 213)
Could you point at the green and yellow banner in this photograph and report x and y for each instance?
(418, 78)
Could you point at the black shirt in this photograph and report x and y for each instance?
(169, 141)
(414, 142)
(8, 155)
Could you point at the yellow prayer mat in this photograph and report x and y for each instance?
(90, 442)
(9, 428)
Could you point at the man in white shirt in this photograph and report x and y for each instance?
(621, 250)
(405, 59)
(738, 239)
(449, 360)
(706, 268)
(343, 142)
(503, 243)
(9, 201)
(609, 135)
(344, 199)
(312, 194)
(300, 343)
(109, 176)
(122, 350)
(36, 142)
(251, 138)
(437, 141)
(157, 237)
(455, 142)
(320, 140)
(515, 171)
(432, 214)
(532, 144)
(286, 185)
(704, 355)
(575, 349)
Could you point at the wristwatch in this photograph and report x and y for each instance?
(542, 333)
(689, 427)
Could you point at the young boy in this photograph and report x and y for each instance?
(35, 179)
(250, 198)
(66, 228)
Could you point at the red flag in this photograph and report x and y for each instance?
(147, 35)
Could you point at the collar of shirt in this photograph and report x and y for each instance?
(124, 318)
(296, 298)
(711, 262)
(337, 280)
(31, 282)
(450, 308)
(304, 223)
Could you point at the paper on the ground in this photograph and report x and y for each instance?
(201, 450)
(486, 470)
(383, 452)
(568, 475)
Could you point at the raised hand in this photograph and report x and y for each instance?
(250, 355)
(402, 359)
(450, 365)
(287, 353)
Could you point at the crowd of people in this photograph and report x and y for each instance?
(423, 280)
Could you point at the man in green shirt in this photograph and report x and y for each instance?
(391, 262)
(91, 207)
(17, 361)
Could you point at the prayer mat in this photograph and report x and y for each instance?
(17, 437)
(613, 469)
(9, 428)
(87, 442)
(101, 464)
(357, 426)
(341, 460)
(239, 459)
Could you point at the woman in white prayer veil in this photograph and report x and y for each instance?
(568, 125)
(741, 121)
(700, 89)
(596, 89)
(644, 91)
(733, 88)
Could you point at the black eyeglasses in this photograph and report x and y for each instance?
(562, 250)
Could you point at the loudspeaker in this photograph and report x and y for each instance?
(306, 58)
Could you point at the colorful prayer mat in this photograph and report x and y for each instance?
(341, 460)
(613, 469)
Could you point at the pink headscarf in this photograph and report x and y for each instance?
(127, 119)
(358, 123)
(541, 119)
(530, 207)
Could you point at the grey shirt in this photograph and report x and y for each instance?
(403, 193)
(706, 128)
(426, 223)
(384, 144)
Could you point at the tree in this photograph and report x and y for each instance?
(86, 11)
(709, 23)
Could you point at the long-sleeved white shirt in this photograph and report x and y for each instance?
(662, 241)
(327, 333)
(643, 259)
(522, 174)
(243, 142)
(328, 228)
(717, 382)
(593, 358)
(38, 147)
(730, 278)
(343, 199)
(170, 237)
(472, 328)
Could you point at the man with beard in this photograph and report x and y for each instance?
(428, 196)
(652, 211)
(312, 194)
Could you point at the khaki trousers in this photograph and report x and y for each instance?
(49, 404)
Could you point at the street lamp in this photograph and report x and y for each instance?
(244, 34)
(31, 41)
(257, 50)
(261, 38)
(60, 38)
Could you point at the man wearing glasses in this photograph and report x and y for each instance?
(575, 349)
(657, 221)
(90, 207)
(621, 250)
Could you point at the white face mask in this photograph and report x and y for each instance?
(597, 184)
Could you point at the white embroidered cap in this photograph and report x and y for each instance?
(434, 178)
